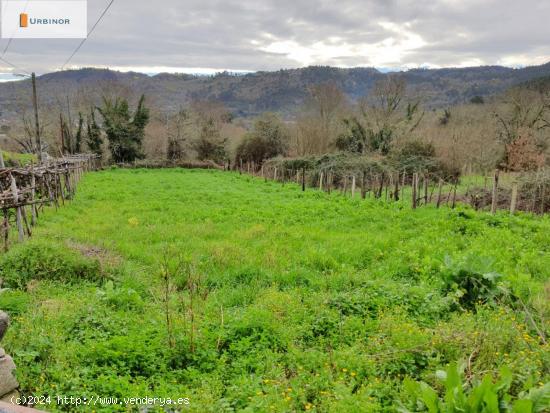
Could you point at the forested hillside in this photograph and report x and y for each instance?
(281, 91)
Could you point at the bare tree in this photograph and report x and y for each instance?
(177, 133)
(318, 125)
(523, 128)
(387, 114)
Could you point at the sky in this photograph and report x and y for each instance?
(206, 36)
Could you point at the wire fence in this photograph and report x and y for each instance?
(418, 188)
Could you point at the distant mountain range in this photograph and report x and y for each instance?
(281, 91)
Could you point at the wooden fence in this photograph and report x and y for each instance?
(25, 191)
(420, 188)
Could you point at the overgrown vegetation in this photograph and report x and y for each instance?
(18, 159)
(124, 131)
(246, 295)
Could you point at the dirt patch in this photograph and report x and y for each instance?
(106, 258)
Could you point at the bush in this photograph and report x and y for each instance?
(121, 297)
(484, 396)
(12, 159)
(36, 260)
(14, 302)
(267, 140)
(417, 156)
(471, 281)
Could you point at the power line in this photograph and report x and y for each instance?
(14, 66)
(89, 34)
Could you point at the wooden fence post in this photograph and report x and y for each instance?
(542, 198)
(382, 179)
(494, 200)
(345, 188)
(275, 174)
(439, 190)
(414, 189)
(6, 227)
(514, 199)
(19, 217)
(453, 202)
(353, 186)
(396, 191)
(60, 186)
(321, 181)
(33, 193)
(426, 184)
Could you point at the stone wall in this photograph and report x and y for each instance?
(8, 383)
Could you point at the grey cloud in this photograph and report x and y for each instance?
(236, 35)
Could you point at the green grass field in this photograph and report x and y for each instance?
(245, 295)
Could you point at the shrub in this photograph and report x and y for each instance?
(417, 156)
(477, 100)
(120, 297)
(130, 354)
(268, 139)
(471, 281)
(484, 396)
(37, 260)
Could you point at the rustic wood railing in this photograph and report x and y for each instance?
(25, 191)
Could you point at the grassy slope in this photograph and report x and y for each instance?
(315, 301)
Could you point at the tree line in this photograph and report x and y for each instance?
(509, 132)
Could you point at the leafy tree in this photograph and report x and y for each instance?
(93, 134)
(124, 131)
(355, 138)
(268, 138)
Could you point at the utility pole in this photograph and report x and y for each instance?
(62, 131)
(35, 104)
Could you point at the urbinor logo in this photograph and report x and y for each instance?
(43, 19)
(23, 20)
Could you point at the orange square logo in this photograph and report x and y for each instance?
(23, 20)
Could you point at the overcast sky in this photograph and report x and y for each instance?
(207, 35)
